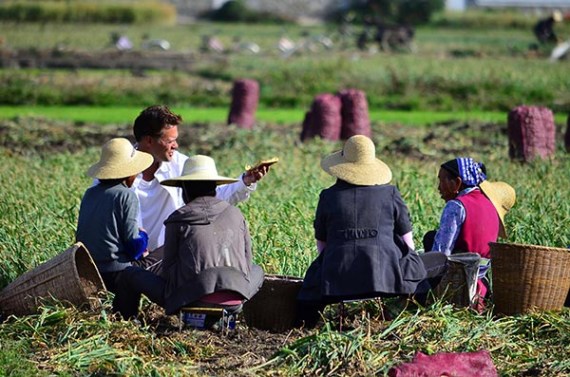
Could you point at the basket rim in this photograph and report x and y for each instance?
(529, 246)
(282, 277)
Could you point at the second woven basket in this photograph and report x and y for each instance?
(273, 308)
(529, 277)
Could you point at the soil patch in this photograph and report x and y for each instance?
(238, 352)
(30, 135)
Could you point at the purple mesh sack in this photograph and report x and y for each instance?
(567, 136)
(326, 116)
(355, 118)
(466, 364)
(245, 96)
(531, 133)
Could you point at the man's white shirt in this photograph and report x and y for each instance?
(157, 202)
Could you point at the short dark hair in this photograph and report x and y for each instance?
(152, 120)
(452, 167)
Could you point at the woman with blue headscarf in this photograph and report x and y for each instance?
(469, 220)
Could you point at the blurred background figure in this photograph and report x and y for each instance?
(286, 46)
(544, 29)
(121, 42)
(155, 44)
(240, 46)
(397, 37)
(211, 44)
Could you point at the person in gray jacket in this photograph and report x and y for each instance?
(207, 249)
(107, 226)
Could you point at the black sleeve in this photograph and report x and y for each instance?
(402, 222)
(320, 220)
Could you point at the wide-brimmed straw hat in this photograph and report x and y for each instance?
(503, 197)
(119, 159)
(198, 168)
(356, 163)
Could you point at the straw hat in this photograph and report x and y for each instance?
(198, 168)
(503, 197)
(356, 163)
(557, 16)
(119, 159)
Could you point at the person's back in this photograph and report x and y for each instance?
(364, 237)
(207, 247)
(213, 251)
(361, 225)
(544, 29)
(107, 221)
(108, 226)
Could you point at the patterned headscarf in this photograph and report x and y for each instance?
(470, 171)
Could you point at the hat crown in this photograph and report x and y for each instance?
(204, 165)
(118, 150)
(119, 159)
(506, 195)
(360, 150)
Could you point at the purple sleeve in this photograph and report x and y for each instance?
(452, 219)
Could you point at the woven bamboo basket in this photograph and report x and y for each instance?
(529, 277)
(70, 277)
(273, 308)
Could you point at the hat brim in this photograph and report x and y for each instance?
(136, 165)
(370, 174)
(177, 182)
(491, 192)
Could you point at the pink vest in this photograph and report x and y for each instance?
(481, 225)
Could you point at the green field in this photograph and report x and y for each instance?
(450, 98)
(39, 210)
(452, 69)
(121, 115)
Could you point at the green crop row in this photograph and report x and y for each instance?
(87, 11)
(393, 82)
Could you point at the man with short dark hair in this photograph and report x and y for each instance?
(156, 132)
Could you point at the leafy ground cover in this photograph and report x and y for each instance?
(470, 76)
(42, 165)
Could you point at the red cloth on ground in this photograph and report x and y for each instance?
(467, 364)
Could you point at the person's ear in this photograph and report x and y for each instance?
(145, 141)
(457, 184)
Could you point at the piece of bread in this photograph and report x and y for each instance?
(261, 163)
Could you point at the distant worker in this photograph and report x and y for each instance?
(544, 29)
(154, 44)
(121, 42)
(211, 44)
